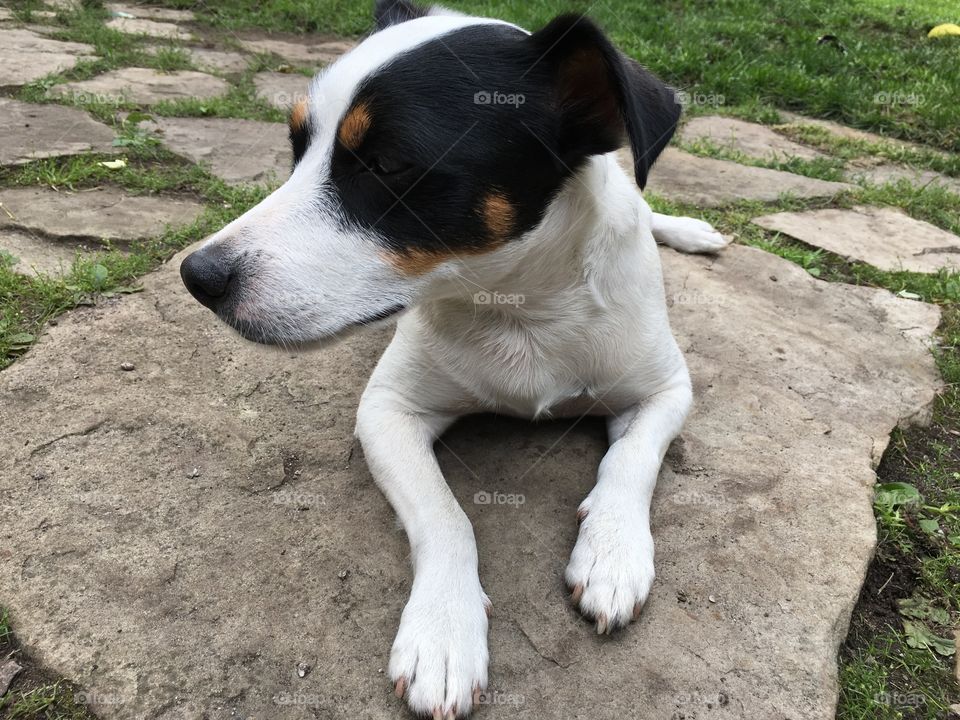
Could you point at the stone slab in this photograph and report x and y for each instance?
(101, 214)
(235, 150)
(706, 182)
(883, 237)
(151, 28)
(305, 52)
(186, 534)
(751, 139)
(31, 132)
(210, 60)
(282, 90)
(151, 12)
(36, 254)
(888, 173)
(145, 86)
(26, 56)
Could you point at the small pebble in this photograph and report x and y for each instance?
(302, 669)
(343, 574)
(195, 473)
(712, 599)
(127, 366)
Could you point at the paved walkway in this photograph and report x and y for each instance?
(199, 535)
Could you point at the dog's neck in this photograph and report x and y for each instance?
(592, 221)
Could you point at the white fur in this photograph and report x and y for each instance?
(591, 336)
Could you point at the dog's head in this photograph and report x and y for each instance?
(439, 140)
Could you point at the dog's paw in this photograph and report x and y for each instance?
(439, 658)
(611, 568)
(690, 235)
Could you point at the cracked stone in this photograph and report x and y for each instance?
(705, 182)
(152, 28)
(31, 132)
(102, 214)
(883, 237)
(306, 52)
(144, 86)
(151, 12)
(235, 150)
(9, 669)
(738, 512)
(751, 139)
(886, 173)
(26, 56)
(35, 254)
(282, 90)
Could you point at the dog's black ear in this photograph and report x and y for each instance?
(394, 12)
(601, 94)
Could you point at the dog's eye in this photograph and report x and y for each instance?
(382, 165)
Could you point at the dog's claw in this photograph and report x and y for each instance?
(576, 594)
(602, 626)
(488, 607)
(437, 714)
(400, 688)
(581, 515)
(637, 609)
(476, 695)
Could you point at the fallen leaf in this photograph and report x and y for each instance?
(919, 636)
(944, 30)
(113, 164)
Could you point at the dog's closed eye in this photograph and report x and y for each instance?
(386, 166)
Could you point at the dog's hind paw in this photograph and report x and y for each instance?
(690, 235)
(611, 568)
(439, 658)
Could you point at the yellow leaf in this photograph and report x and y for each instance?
(114, 164)
(944, 30)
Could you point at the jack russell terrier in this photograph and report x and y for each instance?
(445, 163)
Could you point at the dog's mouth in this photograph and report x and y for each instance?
(266, 335)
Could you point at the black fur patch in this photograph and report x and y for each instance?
(490, 111)
(393, 12)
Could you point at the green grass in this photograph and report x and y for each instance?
(891, 79)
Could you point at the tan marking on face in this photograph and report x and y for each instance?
(298, 116)
(499, 216)
(355, 126)
(419, 262)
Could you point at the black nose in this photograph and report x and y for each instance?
(207, 275)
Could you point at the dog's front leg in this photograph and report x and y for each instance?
(611, 568)
(439, 658)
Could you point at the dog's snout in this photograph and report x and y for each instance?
(207, 275)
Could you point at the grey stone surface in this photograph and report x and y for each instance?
(151, 12)
(706, 182)
(306, 52)
(26, 56)
(153, 28)
(30, 132)
(36, 254)
(751, 139)
(235, 150)
(6, 14)
(9, 669)
(210, 60)
(887, 173)
(187, 533)
(282, 90)
(144, 86)
(102, 214)
(883, 237)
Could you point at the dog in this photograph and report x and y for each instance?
(460, 174)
